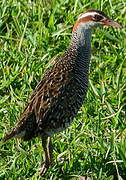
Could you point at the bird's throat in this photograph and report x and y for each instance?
(81, 40)
(82, 37)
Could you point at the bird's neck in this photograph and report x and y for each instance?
(81, 41)
(82, 37)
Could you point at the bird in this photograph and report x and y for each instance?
(59, 95)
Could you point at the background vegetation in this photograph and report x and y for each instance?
(31, 34)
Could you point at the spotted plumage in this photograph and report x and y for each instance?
(59, 95)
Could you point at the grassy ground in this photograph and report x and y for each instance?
(32, 33)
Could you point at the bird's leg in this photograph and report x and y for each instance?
(47, 147)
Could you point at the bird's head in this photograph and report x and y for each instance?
(93, 18)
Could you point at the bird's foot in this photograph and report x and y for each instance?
(44, 169)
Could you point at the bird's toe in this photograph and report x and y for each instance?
(44, 169)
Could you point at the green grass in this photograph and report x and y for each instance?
(31, 34)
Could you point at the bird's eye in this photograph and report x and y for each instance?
(97, 18)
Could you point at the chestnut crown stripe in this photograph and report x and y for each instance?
(88, 14)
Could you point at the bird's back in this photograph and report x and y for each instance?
(55, 101)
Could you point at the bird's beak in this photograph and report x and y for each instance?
(109, 22)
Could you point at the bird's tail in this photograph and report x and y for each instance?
(17, 132)
(24, 129)
(9, 136)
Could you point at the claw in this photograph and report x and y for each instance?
(44, 169)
